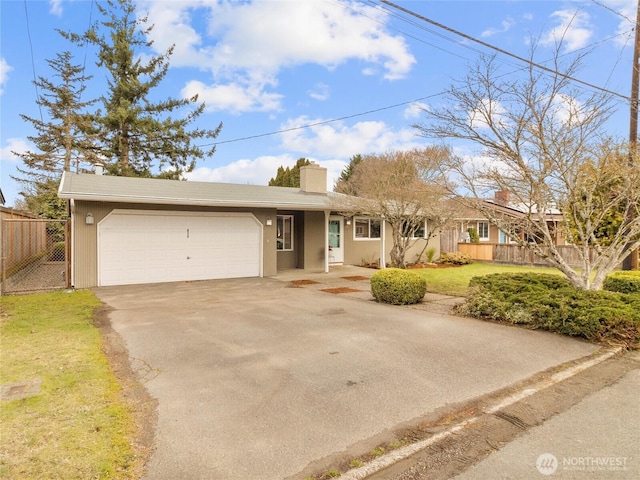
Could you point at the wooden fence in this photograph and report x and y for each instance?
(516, 254)
(34, 254)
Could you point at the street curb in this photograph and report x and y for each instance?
(405, 452)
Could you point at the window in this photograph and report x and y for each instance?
(284, 235)
(366, 228)
(414, 230)
(483, 231)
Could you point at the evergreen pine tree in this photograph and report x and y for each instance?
(62, 140)
(136, 133)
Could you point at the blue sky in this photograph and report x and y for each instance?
(274, 65)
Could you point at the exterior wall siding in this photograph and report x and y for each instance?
(314, 241)
(364, 251)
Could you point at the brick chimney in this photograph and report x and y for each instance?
(313, 178)
(502, 197)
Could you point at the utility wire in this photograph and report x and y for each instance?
(324, 122)
(33, 63)
(615, 12)
(415, 100)
(86, 46)
(502, 51)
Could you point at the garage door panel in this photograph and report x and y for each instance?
(151, 248)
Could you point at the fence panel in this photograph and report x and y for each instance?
(449, 240)
(35, 255)
(518, 255)
(477, 251)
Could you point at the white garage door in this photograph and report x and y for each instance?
(152, 247)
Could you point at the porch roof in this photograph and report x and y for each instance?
(105, 188)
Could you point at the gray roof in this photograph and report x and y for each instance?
(105, 188)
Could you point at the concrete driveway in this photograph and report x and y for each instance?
(258, 380)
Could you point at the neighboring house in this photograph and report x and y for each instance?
(490, 234)
(139, 230)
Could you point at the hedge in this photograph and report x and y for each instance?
(623, 282)
(550, 302)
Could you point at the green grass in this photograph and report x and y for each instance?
(77, 427)
(455, 280)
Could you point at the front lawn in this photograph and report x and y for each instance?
(77, 426)
(455, 280)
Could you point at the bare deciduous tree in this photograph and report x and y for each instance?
(540, 139)
(403, 188)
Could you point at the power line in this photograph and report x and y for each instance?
(86, 46)
(502, 51)
(615, 12)
(408, 102)
(324, 122)
(33, 63)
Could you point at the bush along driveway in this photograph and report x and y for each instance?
(549, 302)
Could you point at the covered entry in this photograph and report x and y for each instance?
(137, 246)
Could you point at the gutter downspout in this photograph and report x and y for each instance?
(72, 209)
(326, 241)
(383, 244)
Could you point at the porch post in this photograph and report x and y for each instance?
(326, 241)
(383, 243)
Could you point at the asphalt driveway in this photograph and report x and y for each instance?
(256, 379)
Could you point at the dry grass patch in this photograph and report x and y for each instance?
(77, 426)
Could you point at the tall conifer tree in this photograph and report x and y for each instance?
(138, 134)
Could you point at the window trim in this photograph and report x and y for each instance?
(282, 218)
(424, 234)
(368, 237)
(484, 239)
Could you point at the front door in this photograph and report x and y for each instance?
(336, 244)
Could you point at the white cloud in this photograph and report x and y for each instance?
(55, 7)
(488, 108)
(13, 145)
(320, 91)
(506, 25)
(627, 10)
(573, 29)
(260, 170)
(233, 97)
(415, 110)
(5, 68)
(247, 44)
(569, 110)
(337, 140)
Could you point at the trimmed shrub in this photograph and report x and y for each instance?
(455, 258)
(397, 286)
(474, 237)
(550, 302)
(623, 282)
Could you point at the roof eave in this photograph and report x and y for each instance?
(193, 202)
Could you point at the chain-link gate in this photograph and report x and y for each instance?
(35, 255)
